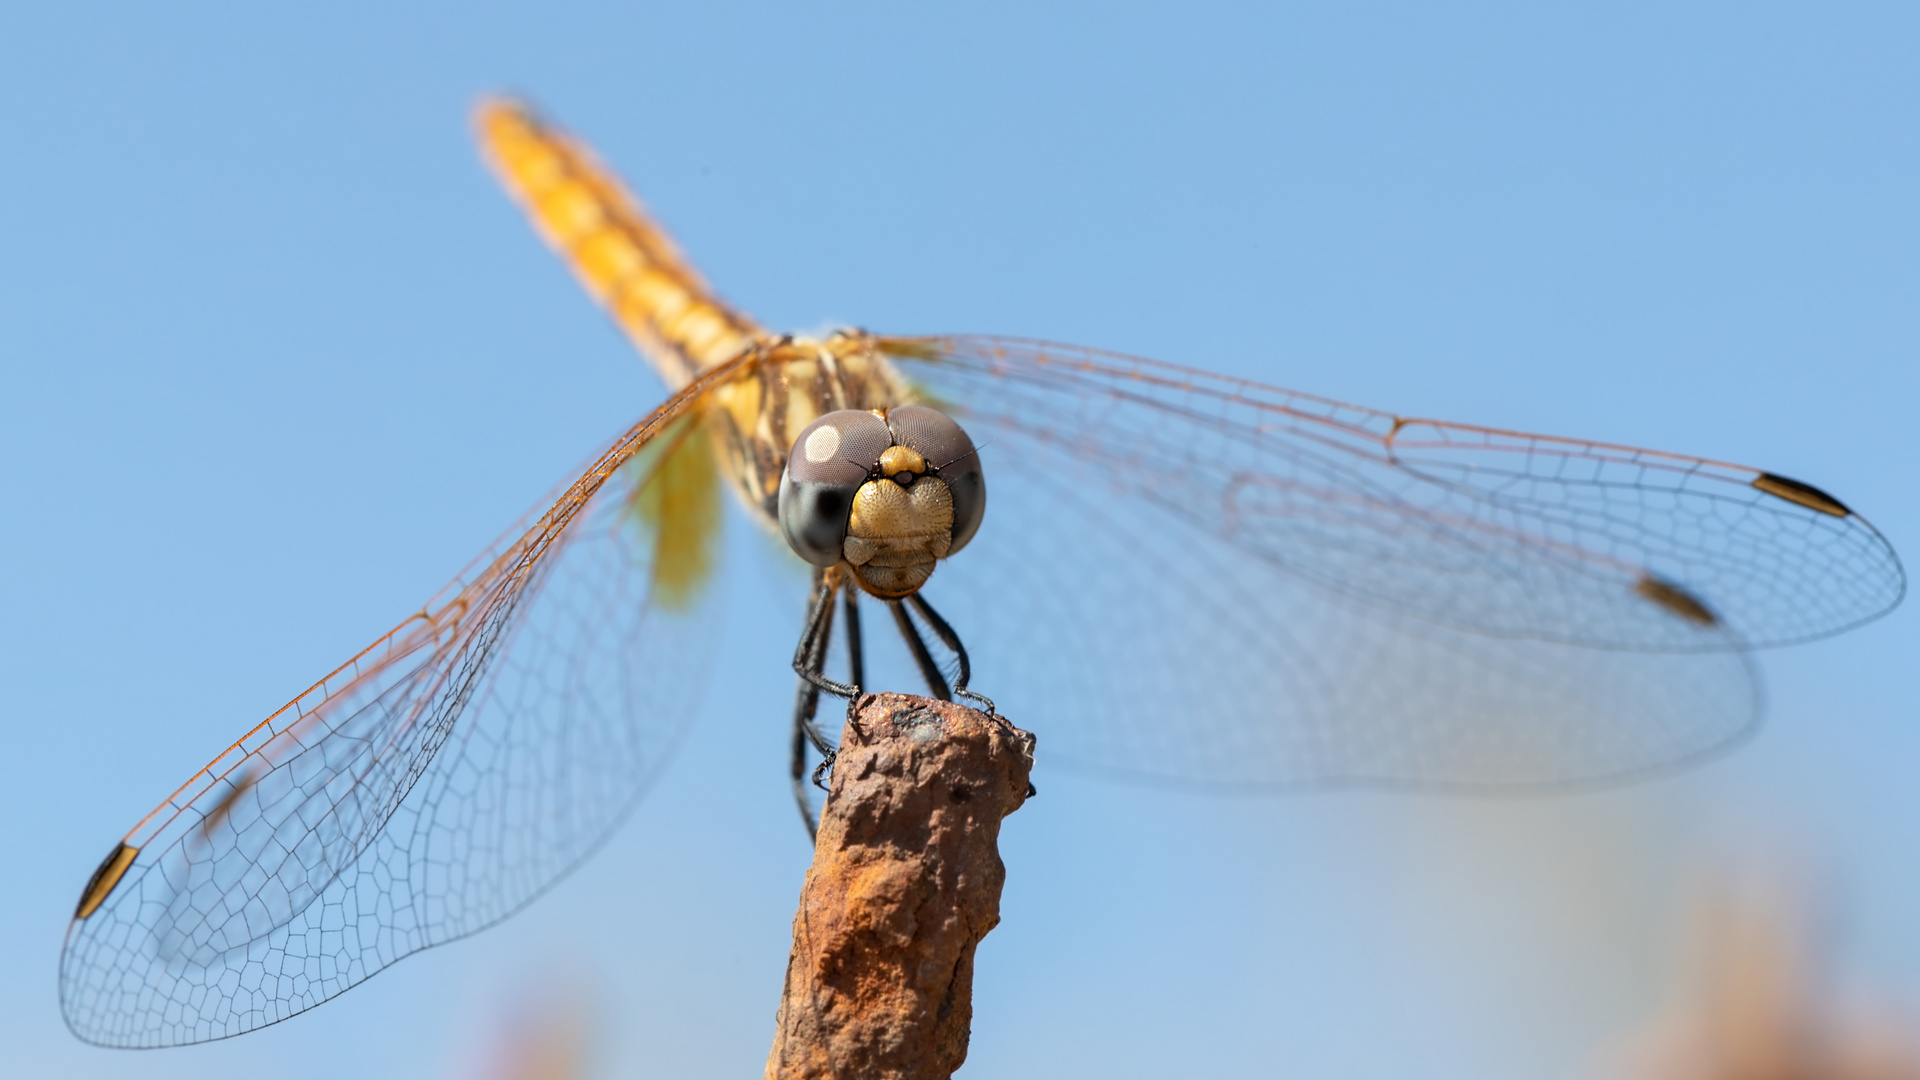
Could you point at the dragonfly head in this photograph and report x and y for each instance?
(889, 494)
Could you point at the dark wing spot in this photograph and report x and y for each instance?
(111, 870)
(1676, 600)
(1804, 494)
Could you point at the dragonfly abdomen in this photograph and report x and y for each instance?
(623, 258)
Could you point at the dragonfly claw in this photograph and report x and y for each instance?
(821, 770)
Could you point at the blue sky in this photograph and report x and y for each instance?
(276, 357)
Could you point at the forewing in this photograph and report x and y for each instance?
(1498, 532)
(1236, 585)
(425, 790)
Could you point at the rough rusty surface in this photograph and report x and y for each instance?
(905, 882)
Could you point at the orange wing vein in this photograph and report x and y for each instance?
(426, 788)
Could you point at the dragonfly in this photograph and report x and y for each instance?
(1190, 579)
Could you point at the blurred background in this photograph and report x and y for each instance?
(276, 358)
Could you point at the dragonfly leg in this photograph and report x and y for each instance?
(952, 641)
(808, 660)
(936, 680)
(856, 661)
(810, 657)
(799, 782)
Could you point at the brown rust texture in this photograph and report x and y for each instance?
(905, 883)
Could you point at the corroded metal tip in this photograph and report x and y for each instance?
(905, 883)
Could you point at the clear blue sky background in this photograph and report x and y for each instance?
(276, 357)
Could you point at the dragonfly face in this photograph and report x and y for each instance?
(890, 494)
(1239, 586)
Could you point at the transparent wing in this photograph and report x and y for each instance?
(1495, 531)
(1243, 585)
(426, 789)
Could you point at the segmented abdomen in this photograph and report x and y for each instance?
(625, 260)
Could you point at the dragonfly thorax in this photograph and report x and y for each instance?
(889, 494)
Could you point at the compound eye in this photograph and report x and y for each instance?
(829, 461)
(951, 456)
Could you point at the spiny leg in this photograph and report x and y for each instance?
(819, 626)
(808, 660)
(952, 641)
(856, 661)
(936, 680)
(856, 666)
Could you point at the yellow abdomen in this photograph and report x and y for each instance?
(634, 270)
(623, 258)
